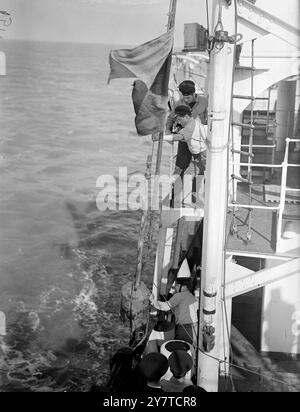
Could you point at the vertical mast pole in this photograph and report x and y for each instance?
(216, 198)
(171, 23)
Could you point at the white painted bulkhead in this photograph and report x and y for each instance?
(281, 303)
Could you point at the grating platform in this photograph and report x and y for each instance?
(263, 238)
(272, 194)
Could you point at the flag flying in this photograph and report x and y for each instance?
(150, 63)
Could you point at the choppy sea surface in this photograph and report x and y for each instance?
(63, 261)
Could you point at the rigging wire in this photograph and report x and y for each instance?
(149, 164)
(145, 334)
(220, 23)
(151, 212)
(207, 18)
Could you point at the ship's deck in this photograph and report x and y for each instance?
(264, 222)
(262, 372)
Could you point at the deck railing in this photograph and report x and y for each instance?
(283, 189)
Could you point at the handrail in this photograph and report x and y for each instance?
(237, 205)
(284, 188)
(292, 190)
(259, 146)
(267, 165)
(258, 165)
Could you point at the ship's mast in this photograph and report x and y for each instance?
(216, 196)
(171, 24)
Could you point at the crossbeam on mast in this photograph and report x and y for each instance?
(268, 22)
(262, 278)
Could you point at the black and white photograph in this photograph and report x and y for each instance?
(149, 199)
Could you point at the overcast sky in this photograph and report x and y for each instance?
(98, 21)
(128, 22)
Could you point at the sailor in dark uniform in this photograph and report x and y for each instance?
(152, 368)
(180, 363)
(198, 105)
(194, 389)
(185, 307)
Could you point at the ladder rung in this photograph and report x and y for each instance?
(236, 205)
(264, 126)
(241, 179)
(239, 96)
(260, 165)
(258, 146)
(245, 125)
(250, 68)
(243, 153)
(292, 190)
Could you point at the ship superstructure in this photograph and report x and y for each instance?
(243, 220)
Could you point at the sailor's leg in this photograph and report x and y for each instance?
(177, 189)
(184, 157)
(183, 161)
(185, 333)
(199, 161)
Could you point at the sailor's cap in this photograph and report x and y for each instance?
(187, 87)
(193, 389)
(183, 281)
(180, 362)
(153, 366)
(183, 110)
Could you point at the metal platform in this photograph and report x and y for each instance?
(263, 230)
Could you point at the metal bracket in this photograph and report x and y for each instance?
(208, 338)
(216, 116)
(222, 36)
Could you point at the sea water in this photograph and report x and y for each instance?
(63, 261)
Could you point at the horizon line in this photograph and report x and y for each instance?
(73, 42)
